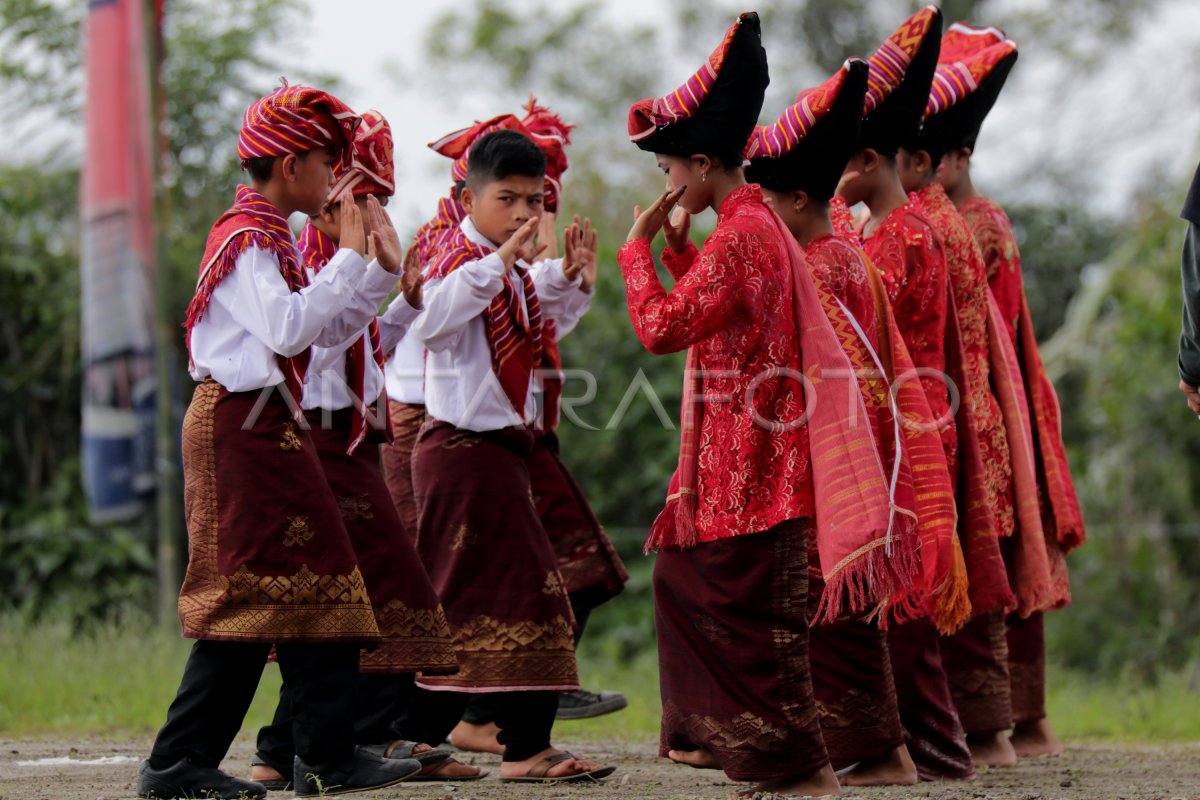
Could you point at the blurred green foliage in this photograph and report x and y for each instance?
(220, 57)
(1104, 296)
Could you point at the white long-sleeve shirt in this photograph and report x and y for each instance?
(325, 385)
(405, 370)
(460, 386)
(253, 316)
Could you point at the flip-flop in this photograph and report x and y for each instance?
(437, 778)
(537, 774)
(402, 748)
(281, 785)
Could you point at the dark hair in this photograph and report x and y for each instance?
(260, 168)
(502, 154)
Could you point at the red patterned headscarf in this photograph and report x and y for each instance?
(552, 135)
(296, 119)
(372, 169)
(457, 145)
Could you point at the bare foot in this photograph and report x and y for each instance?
(451, 769)
(697, 759)
(477, 738)
(1034, 739)
(563, 769)
(822, 783)
(894, 769)
(992, 749)
(261, 772)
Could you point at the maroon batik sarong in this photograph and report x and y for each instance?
(586, 557)
(407, 419)
(1027, 667)
(852, 683)
(269, 556)
(976, 661)
(935, 737)
(490, 562)
(733, 653)
(416, 636)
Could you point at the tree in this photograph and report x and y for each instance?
(219, 58)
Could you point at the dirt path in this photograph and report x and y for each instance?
(36, 770)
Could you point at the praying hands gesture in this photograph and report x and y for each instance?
(676, 228)
(353, 234)
(385, 242)
(581, 243)
(648, 223)
(520, 246)
(547, 234)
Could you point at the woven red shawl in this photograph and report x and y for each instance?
(316, 249)
(251, 222)
(866, 559)
(514, 334)
(989, 584)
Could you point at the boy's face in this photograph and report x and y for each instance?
(311, 175)
(500, 207)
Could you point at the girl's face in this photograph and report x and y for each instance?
(689, 172)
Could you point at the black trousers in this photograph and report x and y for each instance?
(481, 710)
(219, 682)
(393, 707)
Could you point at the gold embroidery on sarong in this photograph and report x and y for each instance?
(712, 630)
(299, 532)
(461, 439)
(290, 440)
(310, 606)
(356, 507)
(304, 588)
(508, 654)
(413, 640)
(553, 585)
(464, 537)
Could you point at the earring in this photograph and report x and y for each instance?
(703, 177)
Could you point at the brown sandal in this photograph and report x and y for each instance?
(432, 772)
(401, 748)
(538, 772)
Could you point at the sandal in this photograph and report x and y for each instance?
(433, 772)
(537, 773)
(280, 784)
(402, 748)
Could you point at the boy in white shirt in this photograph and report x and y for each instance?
(478, 531)
(270, 562)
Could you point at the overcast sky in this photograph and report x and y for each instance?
(1137, 110)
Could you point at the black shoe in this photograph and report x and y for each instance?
(582, 704)
(360, 773)
(185, 779)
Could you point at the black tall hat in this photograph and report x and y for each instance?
(714, 112)
(808, 147)
(898, 84)
(972, 68)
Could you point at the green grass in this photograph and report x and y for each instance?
(119, 678)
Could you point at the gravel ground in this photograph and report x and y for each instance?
(98, 769)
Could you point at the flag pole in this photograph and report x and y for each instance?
(167, 496)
